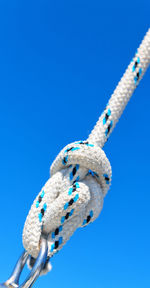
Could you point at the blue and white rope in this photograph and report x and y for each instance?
(81, 173)
(122, 93)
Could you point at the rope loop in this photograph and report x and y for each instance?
(71, 198)
(83, 154)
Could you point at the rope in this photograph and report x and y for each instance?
(81, 174)
(122, 93)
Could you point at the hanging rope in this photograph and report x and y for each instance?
(81, 173)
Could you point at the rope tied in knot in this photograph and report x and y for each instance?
(71, 198)
(81, 173)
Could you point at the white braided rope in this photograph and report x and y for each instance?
(81, 173)
(123, 92)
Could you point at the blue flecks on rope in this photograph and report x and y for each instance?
(71, 202)
(72, 149)
(138, 74)
(105, 120)
(109, 128)
(73, 188)
(74, 171)
(106, 178)
(57, 231)
(40, 199)
(108, 113)
(56, 244)
(90, 145)
(69, 214)
(93, 173)
(76, 198)
(40, 217)
(66, 206)
(135, 68)
(85, 143)
(41, 214)
(88, 219)
(77, 179)
(135, 64)
(65, 160)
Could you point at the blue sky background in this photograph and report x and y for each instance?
(59, 63)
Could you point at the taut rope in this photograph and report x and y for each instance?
(81, 173)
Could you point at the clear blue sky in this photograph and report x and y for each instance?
(59, 63)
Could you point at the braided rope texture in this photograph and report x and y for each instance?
(71, 198)
(81, 174)
(122, 93)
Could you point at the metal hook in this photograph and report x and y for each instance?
(13, 281)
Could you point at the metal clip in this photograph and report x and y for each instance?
(13, 281)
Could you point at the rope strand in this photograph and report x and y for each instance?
(122, 93)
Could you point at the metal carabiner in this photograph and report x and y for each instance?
(13, 281)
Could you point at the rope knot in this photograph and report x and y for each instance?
(71, 198)
(84, 155)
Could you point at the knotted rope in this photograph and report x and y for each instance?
(81, 173)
